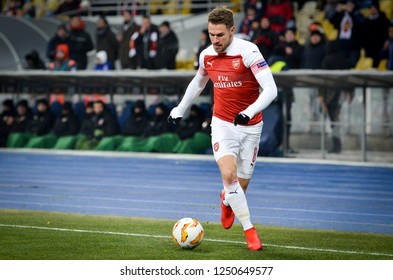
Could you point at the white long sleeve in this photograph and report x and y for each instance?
(193, 90)
(266, 96)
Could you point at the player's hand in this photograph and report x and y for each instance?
(242, 119)
(174, 116)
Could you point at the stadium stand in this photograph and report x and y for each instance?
(15, 43)
(13, 47)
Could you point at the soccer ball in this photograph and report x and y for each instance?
(187, 233)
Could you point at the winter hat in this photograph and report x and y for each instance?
(23, 103)
(316, 32)
(77, 23)
(65, 49)
(8, 103)
(166, 23)
(62, 26)
(43, 101)
(140, 104)
(375, 3)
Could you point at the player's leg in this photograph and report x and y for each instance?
(225, 147)
(235, 197)
(250, 138)
(252, 237)
(234, 194)
(226, 142)
(244, 183)
(227, 166)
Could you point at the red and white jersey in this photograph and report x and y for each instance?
(233, 76)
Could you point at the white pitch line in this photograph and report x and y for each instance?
(207, 239)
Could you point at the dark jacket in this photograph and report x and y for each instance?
(128, 29)
(87, 126)
(34, 61)
(294, 59)
(188, 127)
(146, 47)
(355, 42)
(388, 54)
(41, 123)
(313, 55)
(53, 43)
(376, 33)
(106, 40)
(158, 124)
(168, 47)
(21, 121)
(81, 44)
(335, 59)
(105, 124)
(66, 125)
(5, 127)
(202, 46)
(138, 121)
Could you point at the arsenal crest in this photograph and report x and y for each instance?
(236, 63)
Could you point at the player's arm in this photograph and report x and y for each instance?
(264, 76)
(266, 96)
(193, 90)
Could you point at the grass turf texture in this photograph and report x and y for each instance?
(35, 235)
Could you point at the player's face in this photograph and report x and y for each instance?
(220, 36)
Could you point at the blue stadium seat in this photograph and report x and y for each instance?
(79, 110)
(151, 110)
(125, 115)
(112, 108)
(206, 109)
(55, 108)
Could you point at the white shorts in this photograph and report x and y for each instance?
(240, 141)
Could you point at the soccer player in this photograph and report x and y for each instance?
(243, 87)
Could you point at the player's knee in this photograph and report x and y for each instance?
(228, 177)
(228, 169)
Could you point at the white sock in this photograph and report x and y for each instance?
(225, 202)
(235, 197)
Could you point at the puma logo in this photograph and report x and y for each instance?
(235, 192)
(209, 63)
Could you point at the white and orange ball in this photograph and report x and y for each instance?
(187, 233)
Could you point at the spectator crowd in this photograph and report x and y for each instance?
(270, 24)
(144, 46)
(361, 25)
(91, 122)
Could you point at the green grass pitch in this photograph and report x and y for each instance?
(37, 235)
